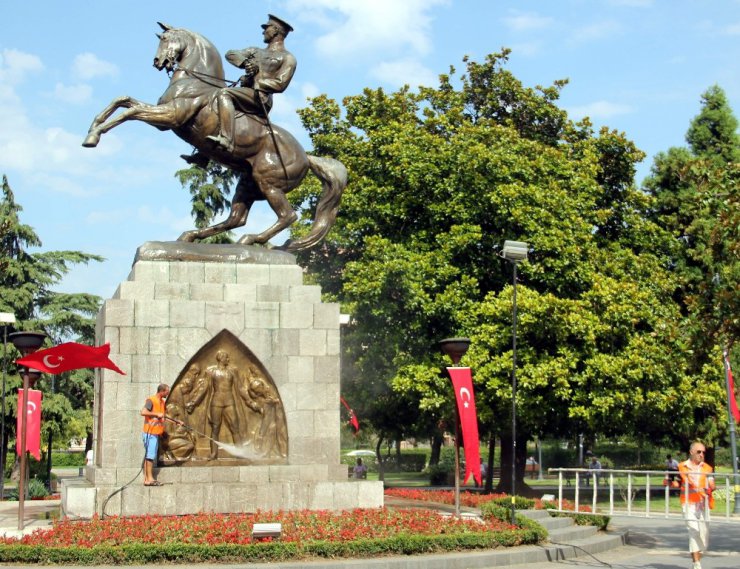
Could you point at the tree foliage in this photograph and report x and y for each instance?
(696, 191)
(439, 179)
(209, 189)
(27, 289)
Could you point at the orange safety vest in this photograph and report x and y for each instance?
(695, 483)
(155, 425)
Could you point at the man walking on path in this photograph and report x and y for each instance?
(697, 485)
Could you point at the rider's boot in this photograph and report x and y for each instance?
(226, 115)
(196, 159)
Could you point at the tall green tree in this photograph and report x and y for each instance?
(439, 179)
(696, 191)
(27, 284)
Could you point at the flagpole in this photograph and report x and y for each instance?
(733, 441)
(26, 343)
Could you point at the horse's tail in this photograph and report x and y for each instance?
(333, 176)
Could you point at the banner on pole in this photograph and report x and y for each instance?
(732, 394)
(462, 381)
(33, 428)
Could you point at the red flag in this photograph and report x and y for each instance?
(352, 417)
(731, 389)
(462, 381)
(33, 430)
(70, 355)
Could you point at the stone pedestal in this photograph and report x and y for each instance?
(166, 311)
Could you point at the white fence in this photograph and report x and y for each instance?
(646, 493)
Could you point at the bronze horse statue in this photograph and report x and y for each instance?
(270, 161)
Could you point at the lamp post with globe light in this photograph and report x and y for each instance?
(26, 343)
(515, 252)
(455, 349)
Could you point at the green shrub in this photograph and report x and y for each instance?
(443, 473)
(68, 459)
(522, 503)
(494, 509)
(598, 520)
(37, 489)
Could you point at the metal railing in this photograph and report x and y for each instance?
(627, 490)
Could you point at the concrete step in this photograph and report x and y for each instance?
(549, 522)
(570, 533)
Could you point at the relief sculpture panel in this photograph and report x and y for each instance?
(229, 408)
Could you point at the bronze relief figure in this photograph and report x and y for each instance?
(230, 410)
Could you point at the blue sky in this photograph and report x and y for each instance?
(638, 66)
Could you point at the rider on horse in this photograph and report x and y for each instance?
(267, 71)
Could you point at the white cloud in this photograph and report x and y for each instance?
(73, 94)
(310, 90)
(522, 22)
(362, 29)
(66, 185)
(16, 65)
(599, 110)
(163, 217)
(404, 72)
(527, 49)
(595, 32)
(732, 30)
(87, 66)
(107, 217)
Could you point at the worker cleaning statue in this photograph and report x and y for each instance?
(230, 124)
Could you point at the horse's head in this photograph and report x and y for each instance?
(189, 50)
(172, 43)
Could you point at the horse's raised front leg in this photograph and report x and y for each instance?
(117, 103)
(164, 116)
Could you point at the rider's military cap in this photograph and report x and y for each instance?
(283, 25)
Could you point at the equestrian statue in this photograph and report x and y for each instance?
(231, 125)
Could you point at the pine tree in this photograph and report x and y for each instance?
(27, 280)
(695, 193)
(696, 201)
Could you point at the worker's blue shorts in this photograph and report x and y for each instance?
(151, 443)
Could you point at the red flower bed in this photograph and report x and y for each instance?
(213, 529)
(469, 499)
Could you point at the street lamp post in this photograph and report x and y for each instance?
(515, 252)
(6, 319)
(455, 349)
(26, 343)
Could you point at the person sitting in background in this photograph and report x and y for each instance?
(671, 464)
(360, 470)
(594, 466)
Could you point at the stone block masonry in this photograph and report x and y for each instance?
(165, 312)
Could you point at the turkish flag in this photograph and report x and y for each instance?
(68, 356)
(462, 381)
(731, 395)
(352, 417)
(33, 430)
